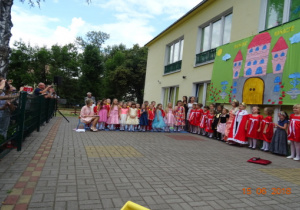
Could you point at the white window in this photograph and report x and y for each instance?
(202, 92)
(175, 51)
(170, 96)
(277, 12)
(215, 33)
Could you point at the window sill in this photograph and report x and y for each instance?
(202, 64)
(179, 70)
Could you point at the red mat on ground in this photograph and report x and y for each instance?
(257, 160)
(185, 137)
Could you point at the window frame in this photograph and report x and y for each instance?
(204, 94)
(263, 14)
(210, 23)
(168, 50)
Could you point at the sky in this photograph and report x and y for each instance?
(127, 21)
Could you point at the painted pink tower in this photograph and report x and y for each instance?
(257, 55)
(279, 55)
(237, 64)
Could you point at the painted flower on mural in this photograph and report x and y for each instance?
(223, 93)
(294, 81)
(213, 93)
(281, 96)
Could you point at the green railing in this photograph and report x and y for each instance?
(206, 56)
(30, 114)
(172, 67)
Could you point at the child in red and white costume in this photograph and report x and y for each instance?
(237, 131)
(199, 113)
(203, 120)
(294, 133)
(253, 127)
(267, 127)
(210, 118)
(192, 119)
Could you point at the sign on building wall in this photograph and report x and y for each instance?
(261, 69)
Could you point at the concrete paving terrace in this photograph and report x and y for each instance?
(61, 169)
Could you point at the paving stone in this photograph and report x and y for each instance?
(169, 173)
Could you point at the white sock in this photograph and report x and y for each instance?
(264, 145)
(297, 149)
(250, 142)
(267, 146)
(254, 143)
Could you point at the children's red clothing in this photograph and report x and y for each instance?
(253, 126)
(294, 128)
(203, 120)
(192, 117)
(269, 132)
(150, 119)
(199, 113)
(208, 128)
(96, 110)
(237, 131)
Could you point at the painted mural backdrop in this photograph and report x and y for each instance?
(261, 69)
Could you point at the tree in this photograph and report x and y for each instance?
(95, 38)
(91, 70)
(5, 30)
(125, 73)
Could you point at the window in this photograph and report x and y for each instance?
(216, 33)
(294, 10)
(170, 95)
(274, 13)
(278, 67)
(212, 35)
(174, 56)
(259, 70)
(175, 51)
(280, 11)
(202, 92)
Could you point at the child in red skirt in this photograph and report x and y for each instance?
(253, 127)
(209, 129)
(267, 129)
(203, 120)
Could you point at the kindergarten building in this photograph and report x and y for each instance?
(224, 50)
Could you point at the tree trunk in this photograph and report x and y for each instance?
(5, 33)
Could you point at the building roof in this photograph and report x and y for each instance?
(177, 21)
(238, 56)
(260, 39)
(280, 45)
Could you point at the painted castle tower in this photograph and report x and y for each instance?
(237, 64)
(257, 55)
(279, 53)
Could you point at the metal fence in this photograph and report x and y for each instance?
(31, 113)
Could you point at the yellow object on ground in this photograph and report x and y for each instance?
(133, 206)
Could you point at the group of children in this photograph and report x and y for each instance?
(211, 121)
(132, 117)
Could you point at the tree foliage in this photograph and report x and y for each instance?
(114, 71)
(95, 38)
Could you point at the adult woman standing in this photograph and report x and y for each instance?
(87, 114)
(185, 105)
(235, 104)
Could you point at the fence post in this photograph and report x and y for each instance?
(47, 103)
(22, 103)
(39, 109)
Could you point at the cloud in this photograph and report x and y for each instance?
(130, 22)
(295, 38)
(151, 8)
(36, 29)
(226, 57)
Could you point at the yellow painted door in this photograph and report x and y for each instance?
(253, 92)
